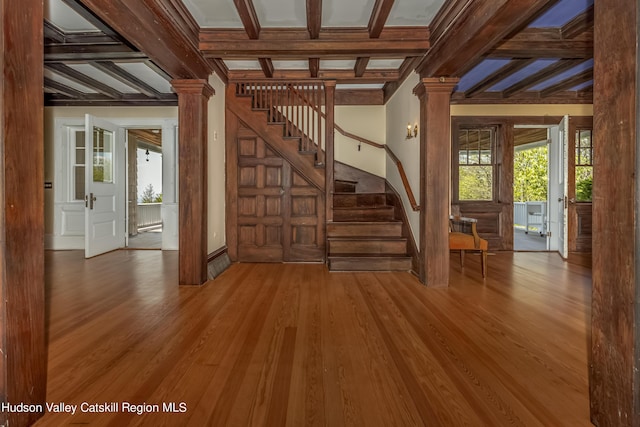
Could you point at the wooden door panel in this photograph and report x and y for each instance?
(583, 213)
(280, 216)
(260, 199)
(306, 221)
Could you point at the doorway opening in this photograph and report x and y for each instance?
(530, 188)
(144, 189)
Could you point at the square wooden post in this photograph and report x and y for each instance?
(23, 357)
(614, 368)
(435, 178)
(193, 97)
(329, 104)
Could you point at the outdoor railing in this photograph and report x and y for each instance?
(149, 214)
(530, 216)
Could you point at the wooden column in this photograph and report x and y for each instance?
(22, 326)
(615, 317)
(435, 178)
(193, 97)
(329, 105)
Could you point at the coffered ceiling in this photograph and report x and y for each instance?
(368, 46)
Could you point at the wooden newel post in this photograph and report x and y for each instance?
(193, 96)
(329, 104)
(435, 178)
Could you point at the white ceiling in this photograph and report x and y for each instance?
(63, 17)
(292, 13)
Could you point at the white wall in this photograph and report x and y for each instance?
(403, 108)
(216, 167)
(366, 122)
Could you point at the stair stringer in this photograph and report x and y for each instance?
(256, 120)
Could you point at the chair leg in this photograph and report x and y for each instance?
(461, 257)
(484, 264)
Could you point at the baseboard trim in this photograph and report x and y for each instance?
(217, 262)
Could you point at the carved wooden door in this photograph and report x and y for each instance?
(280, 216)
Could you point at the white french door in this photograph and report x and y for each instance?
(104, 186)
(559, 187)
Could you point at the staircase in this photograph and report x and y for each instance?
(364, 234)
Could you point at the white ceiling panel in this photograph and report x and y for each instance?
(337, 64)
(243, 65)
(281, 13)
(65, 81)
(346, 13)
(291, 65)
(63, 17)
(413, 12)
(147, 75)
(214, 13)
(384, 64)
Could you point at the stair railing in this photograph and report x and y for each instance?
(403, 176)
(284, 104)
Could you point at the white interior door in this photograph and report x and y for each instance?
(104, 187)
(558, 187)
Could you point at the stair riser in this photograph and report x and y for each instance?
(368, 264)
(337, 247)
(385, 214)
(344, 187)
(356, 200)
(364, 230)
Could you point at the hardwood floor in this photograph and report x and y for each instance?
(292, 344)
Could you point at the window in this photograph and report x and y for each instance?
(102, 155)
(476, 161)
(584, 164)
(77, 163)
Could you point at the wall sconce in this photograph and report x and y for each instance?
(411, 133)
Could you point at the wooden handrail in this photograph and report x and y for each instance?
(403, 176)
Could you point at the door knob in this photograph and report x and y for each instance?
(92, 200)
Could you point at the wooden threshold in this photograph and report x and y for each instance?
(292, 344)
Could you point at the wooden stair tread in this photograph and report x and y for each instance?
(366, 238)
(358, 208)
(368, 255)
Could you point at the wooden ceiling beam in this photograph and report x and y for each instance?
(62, 89)
(267, 66)
(361, 66)
(121, 75)
(303, 49)
(412, 33)
(83, 79)
(379, 17)
(105, 101)
(86, 53)
(542, 75)
(568, 83)
(544, 43)
(529, 97)
(162, 29)
(341, 76)
(504, 72)
(314, 67)
(220, 69)
(314, 18)
(249, 18)
(476, 28)
(52, 33)
(578, 25)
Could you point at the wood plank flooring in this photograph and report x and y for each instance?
(295, 345)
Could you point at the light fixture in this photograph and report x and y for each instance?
(147, 153)
(411, 133)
